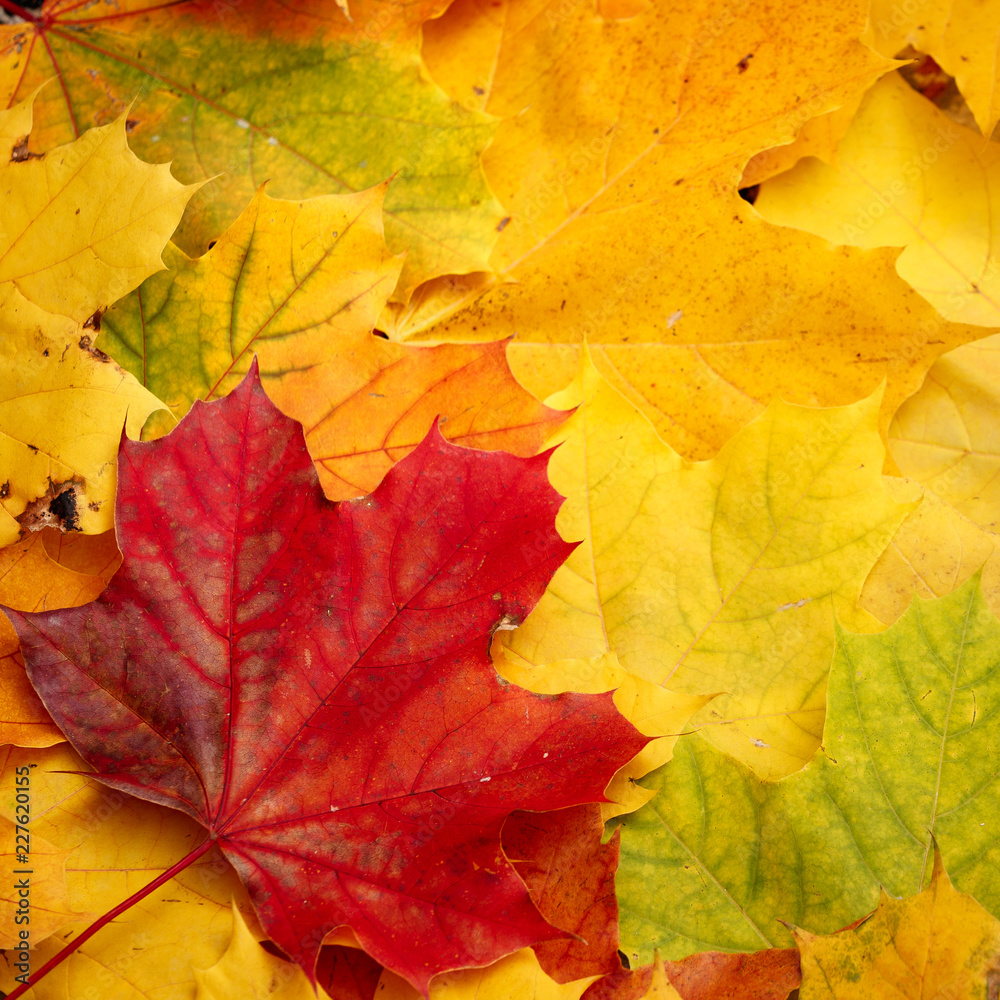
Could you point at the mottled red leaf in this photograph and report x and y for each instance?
(716, 975)
(347, 973)
(570, 876)
(311, 682)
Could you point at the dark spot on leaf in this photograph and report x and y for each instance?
(380, 333)
(92, 322)
(5, 490)
(744, 63)
(77, 212)
(478, 91)
(502, 224)
(58, 507)
(750, 193)
(63, 507)
(20, 152)
(86, 344)
(45, 353)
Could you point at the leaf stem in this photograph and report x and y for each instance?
(188, 859)
(29, 16)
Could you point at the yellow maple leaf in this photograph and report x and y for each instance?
(961, 35)
(516, 977)
(15, 124)
(81, 225)
(934, 551)
(62, 409)
(946, 435)
(720, 576)
(113, 845)
(906, 175)
(818, 137)
(939, 943)
(249, 972)
(43, 571)
(660, 987)
(619, 159)
(44, 908)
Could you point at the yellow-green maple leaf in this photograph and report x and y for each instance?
(239, 94)
(288, 282)
(719, 577)
(910, 756)
(939, 943)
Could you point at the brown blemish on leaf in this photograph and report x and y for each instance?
(86, 344)
(20, 152)
(5, 490)
(506, 624)
(93, 321)
(58, 508)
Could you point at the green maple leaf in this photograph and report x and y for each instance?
(910, 755)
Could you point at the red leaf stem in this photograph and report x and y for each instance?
(188, 859)
(13, 8)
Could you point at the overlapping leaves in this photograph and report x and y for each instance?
(622, 132)
(378, 612)
(908, 759)
(240, 93)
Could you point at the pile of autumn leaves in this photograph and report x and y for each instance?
(722, 381)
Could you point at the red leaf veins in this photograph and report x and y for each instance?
(311, 681)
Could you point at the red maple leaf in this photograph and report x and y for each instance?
(311, 681)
